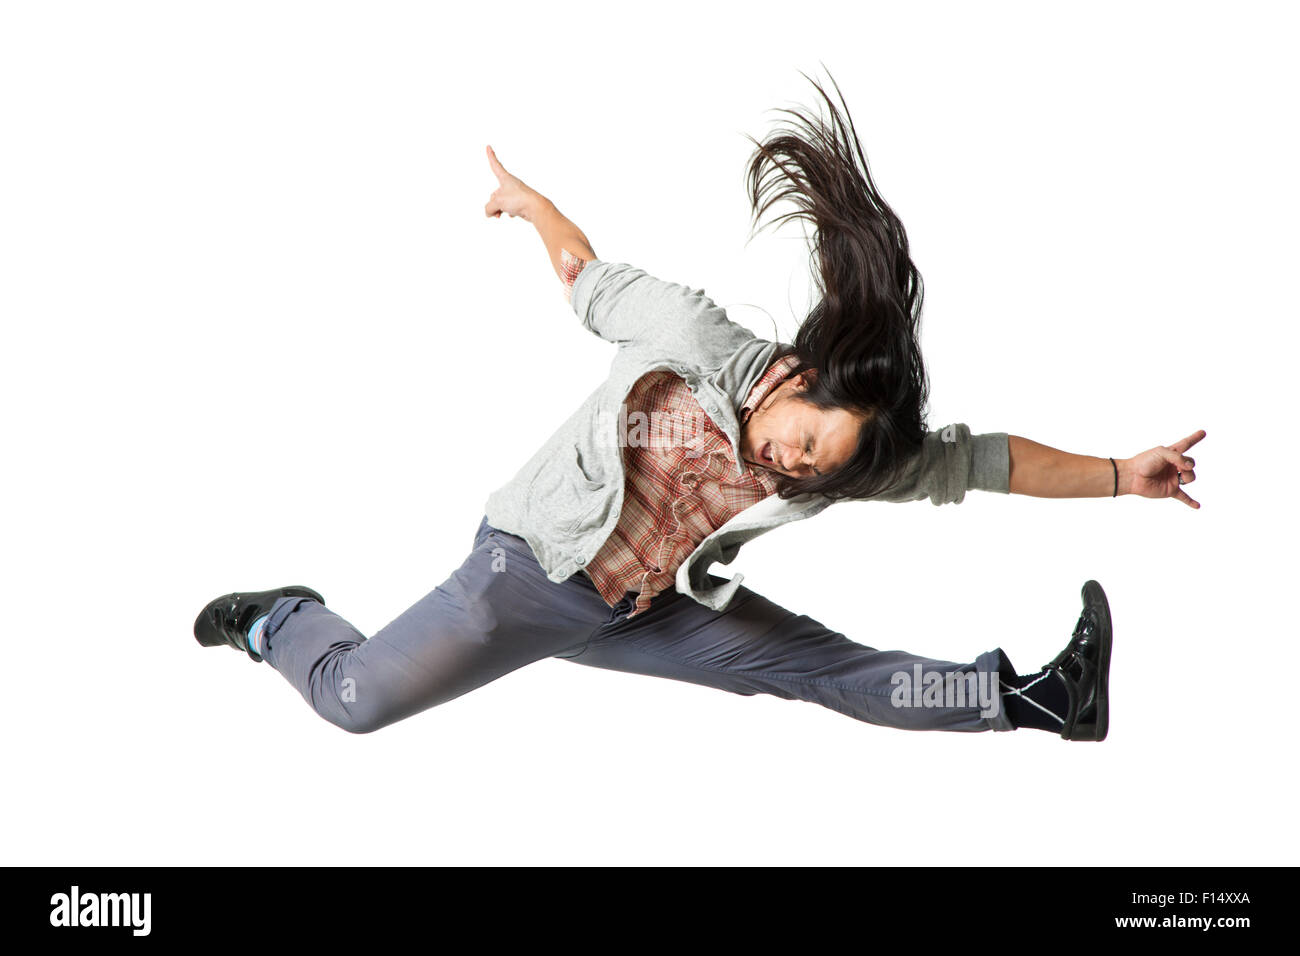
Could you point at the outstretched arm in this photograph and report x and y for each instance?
(1045, 472)
(565, 243)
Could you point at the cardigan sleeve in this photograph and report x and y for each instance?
(625, 305)
(950, 462)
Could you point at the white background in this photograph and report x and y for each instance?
(259, 331)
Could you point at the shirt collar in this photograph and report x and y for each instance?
(776, 373)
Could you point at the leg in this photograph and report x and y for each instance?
(758, 647)
(494, 614)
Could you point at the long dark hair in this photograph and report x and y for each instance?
(862, 336)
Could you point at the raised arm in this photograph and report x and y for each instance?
(616, 301)
(1044, 472)
(565, 243)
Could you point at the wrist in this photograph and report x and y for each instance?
(536, 207)
(1123, 476)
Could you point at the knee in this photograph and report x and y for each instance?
(362, 697)
(361, 720)
(360, 726)
(353, 712)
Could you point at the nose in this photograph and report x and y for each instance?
(790, 460)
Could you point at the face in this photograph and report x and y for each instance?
(789, 437)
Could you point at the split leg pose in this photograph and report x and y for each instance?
(702, 437)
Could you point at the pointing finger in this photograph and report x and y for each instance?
(1188, 442)
(497, 169)
(1182, 496)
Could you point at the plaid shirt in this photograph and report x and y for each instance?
(676, 492)
(680, 483)
(570, 266)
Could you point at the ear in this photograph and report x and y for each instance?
(804, 380)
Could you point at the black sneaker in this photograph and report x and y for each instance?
(226, 620)
(1084, 668)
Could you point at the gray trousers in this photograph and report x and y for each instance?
(498, 611)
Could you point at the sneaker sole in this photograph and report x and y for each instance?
(1095, 597)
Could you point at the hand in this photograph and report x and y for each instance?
(1154, 473)
(512, 196)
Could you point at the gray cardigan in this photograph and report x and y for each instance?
(566, 499)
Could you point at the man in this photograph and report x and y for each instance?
(598, 550)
